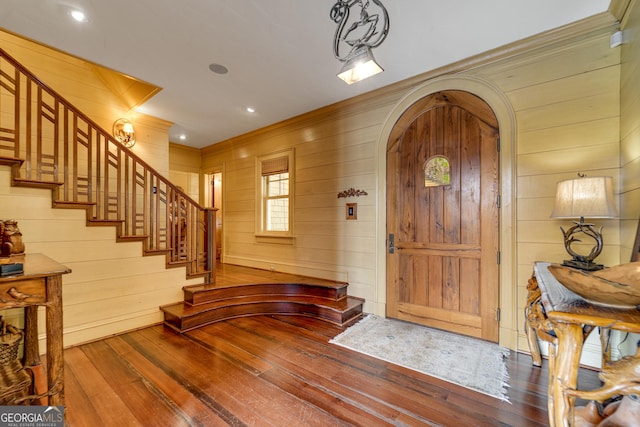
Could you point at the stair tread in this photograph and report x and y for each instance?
(236, 275)
(320, 288)
(182, 309)
(36, 183)
(74, 204)
(212, 287)
(158, 250)
(133, 237)
(307, 281)
(11, 161)
(105, 221)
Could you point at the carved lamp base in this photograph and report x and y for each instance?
(582, 265)
(582, 262)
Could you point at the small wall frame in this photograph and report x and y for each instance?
(352, 211)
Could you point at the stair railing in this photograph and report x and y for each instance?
(50, 143)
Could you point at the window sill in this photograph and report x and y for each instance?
(280, 240)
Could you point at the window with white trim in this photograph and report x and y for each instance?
(275, 204)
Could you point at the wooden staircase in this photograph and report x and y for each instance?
(49, 143)
(264, 292)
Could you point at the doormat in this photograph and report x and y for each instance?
(472, 363)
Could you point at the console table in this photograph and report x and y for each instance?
(565, 319)
(39, 285)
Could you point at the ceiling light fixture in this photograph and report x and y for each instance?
(251, 110)
(356, 35)
(78, 15)
(123, 131)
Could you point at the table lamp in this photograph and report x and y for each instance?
(590, 197)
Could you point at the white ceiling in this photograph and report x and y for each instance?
(278, 52)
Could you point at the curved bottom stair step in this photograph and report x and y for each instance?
(204, 293)
(183, 317)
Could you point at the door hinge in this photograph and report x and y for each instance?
(498, 144)
(499, 201)
(498, 314)
(498, 257)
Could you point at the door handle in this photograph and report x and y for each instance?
(391, 244)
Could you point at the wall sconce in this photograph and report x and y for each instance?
(580, 198)
(123, 131)
(354, 38)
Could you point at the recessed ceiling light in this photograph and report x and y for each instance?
(218, 68)
(251, 110)
(78, 15)
(183, 137)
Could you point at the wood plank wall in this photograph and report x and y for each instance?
(630, 140)
(630, 136)
(565, 97)
(185, 169)
(566, 102)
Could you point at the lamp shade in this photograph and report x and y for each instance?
(587, 197)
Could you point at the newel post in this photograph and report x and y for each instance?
(210, 239)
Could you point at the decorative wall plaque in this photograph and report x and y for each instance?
(352, 192)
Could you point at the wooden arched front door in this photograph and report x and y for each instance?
(442, 215)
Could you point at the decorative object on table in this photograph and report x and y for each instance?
(468, 362)
(617, 286)
(11, 269)
(584, 197)
(357, 33)
(11, 238)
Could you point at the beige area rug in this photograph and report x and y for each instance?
(475, 364)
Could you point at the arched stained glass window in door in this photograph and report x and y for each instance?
(436, 171)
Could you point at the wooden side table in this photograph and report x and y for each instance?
(39, 285)
(565, 320)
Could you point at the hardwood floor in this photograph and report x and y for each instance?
(276, 371)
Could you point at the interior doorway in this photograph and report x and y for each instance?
(213, 199)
